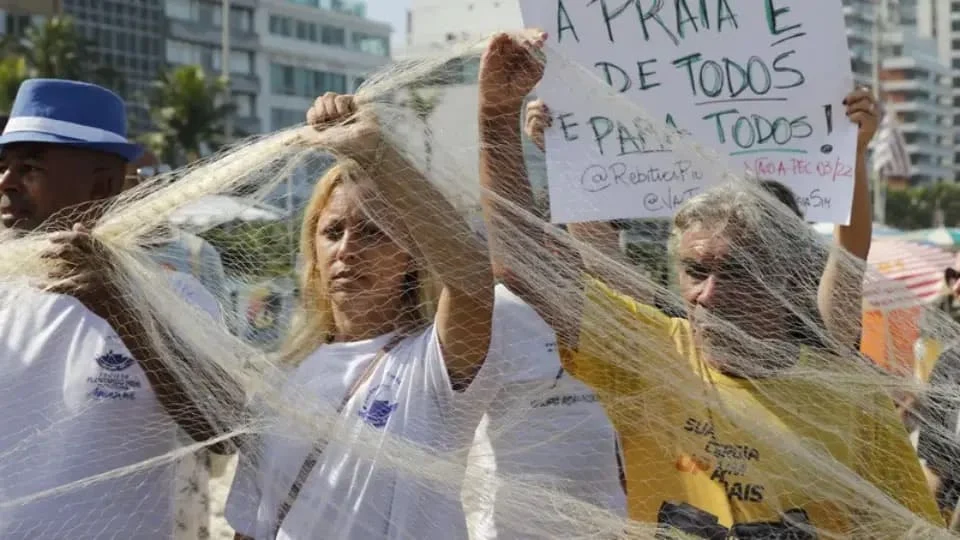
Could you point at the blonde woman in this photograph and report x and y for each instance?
(371, 343)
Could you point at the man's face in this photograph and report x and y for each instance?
(720, 288)
(38, 181)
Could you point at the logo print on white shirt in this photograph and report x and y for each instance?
(380, 402)
(111, 382)
(114, 361)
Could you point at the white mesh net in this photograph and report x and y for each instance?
(426, 369)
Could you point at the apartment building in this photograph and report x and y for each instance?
(314, 46)
(194, 36)
(916, 87)
(915, 79)
(940, 21)
(17, 15)
(124, 35)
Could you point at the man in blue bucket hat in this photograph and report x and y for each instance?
(85, 392)
(64, 146)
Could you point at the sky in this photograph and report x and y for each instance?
(393, 12)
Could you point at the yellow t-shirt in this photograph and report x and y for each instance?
(715, 452)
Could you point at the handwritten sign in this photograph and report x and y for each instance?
(761, 82)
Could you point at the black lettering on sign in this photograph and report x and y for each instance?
(774, 13)
(672, 19)
(669, 200)
(598, 178)
(564, 23)
(734, 79)
(815, 199)
(750, 132)
(619, 79)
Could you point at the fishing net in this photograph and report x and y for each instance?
(351, 370)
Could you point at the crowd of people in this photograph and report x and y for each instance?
(413, 324)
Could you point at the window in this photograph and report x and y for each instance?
(241, 19)
(208, 57)
(303, 30)
(281, 79)
(331, 35)
(307, 31)
(294, 81)
(180, 52)
(284, 118)
(281, 26)
(357, 83)
(335, 82)
(208, 14)
(376, 45)
(241, 62)
(246, 105)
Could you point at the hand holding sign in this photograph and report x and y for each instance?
(862, 111)
(537, 121)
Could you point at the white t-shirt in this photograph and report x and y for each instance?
(544, 428)
(78, 408)
(353, 493)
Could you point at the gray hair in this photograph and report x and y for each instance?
(730, 207)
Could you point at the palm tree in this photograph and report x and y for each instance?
(185, 110)
(56, 49)
(13, 71)
(423, 106)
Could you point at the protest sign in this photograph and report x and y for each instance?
(760, 82)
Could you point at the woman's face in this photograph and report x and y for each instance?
(357, 259)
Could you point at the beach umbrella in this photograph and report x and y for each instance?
(903, 274)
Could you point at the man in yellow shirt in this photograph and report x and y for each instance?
(740, 421)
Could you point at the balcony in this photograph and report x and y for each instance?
(928, 149)
(205, 33)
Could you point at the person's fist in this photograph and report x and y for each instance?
(537, 121)
(862, 110)
(330, 108)
(343, 128)
(509, 70)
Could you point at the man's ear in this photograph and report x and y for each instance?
(108, 181)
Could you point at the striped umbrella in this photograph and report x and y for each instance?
(904, 274)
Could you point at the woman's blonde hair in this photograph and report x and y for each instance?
(313, 324)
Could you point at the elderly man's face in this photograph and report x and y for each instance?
(39, 181)
(721, 287)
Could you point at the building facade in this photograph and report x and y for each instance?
(916, 87)
(126, 36)
(940, 21)
(310, 47)
(194, 37)
(915, 78)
